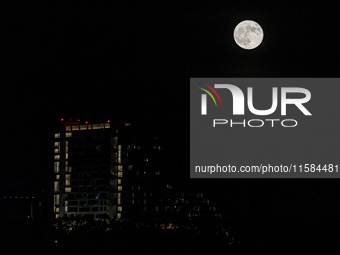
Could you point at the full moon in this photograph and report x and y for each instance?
(248, 34)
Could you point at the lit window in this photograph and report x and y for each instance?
(56, 151)
(56, 144)
(83, 127)
(57, 209)
(74, 128)
(57, 135)
(130, 167)
(68, 128)
(56, 167)
(67, 168)
(107, 125)
(120, 168)
(68, 189)
(119, 181)
(68, 134)
(57, 215)
(67, 180)
(56, 200)
(56, 157)
(57, 177)
(119, 201)
(66, 156)
(119, 154)
(97, 126)
(120, 188)
(66, 209)
(120, 208)
(115, 142)
(145, 201)
(119, 215)
(120, 174)
(56, 186)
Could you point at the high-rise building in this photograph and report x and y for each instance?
(118, 171)
(100, 169)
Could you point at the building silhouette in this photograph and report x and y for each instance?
(114, 170)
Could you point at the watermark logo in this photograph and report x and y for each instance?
(302, 96)
(204, 97)
(238, 99)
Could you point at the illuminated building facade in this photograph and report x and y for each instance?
(105, 169)
(100, 169)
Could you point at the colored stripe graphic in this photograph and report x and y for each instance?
(209, 95)
(213, 90)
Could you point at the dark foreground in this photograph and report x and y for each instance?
(38, 237)
(300, 237)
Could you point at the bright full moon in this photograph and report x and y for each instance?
(248, 34)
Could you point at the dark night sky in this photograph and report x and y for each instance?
(133, 61)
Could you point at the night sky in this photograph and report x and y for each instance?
(130, 60)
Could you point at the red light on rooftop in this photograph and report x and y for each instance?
(108, 121)
(86, 122)
(62, 119)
